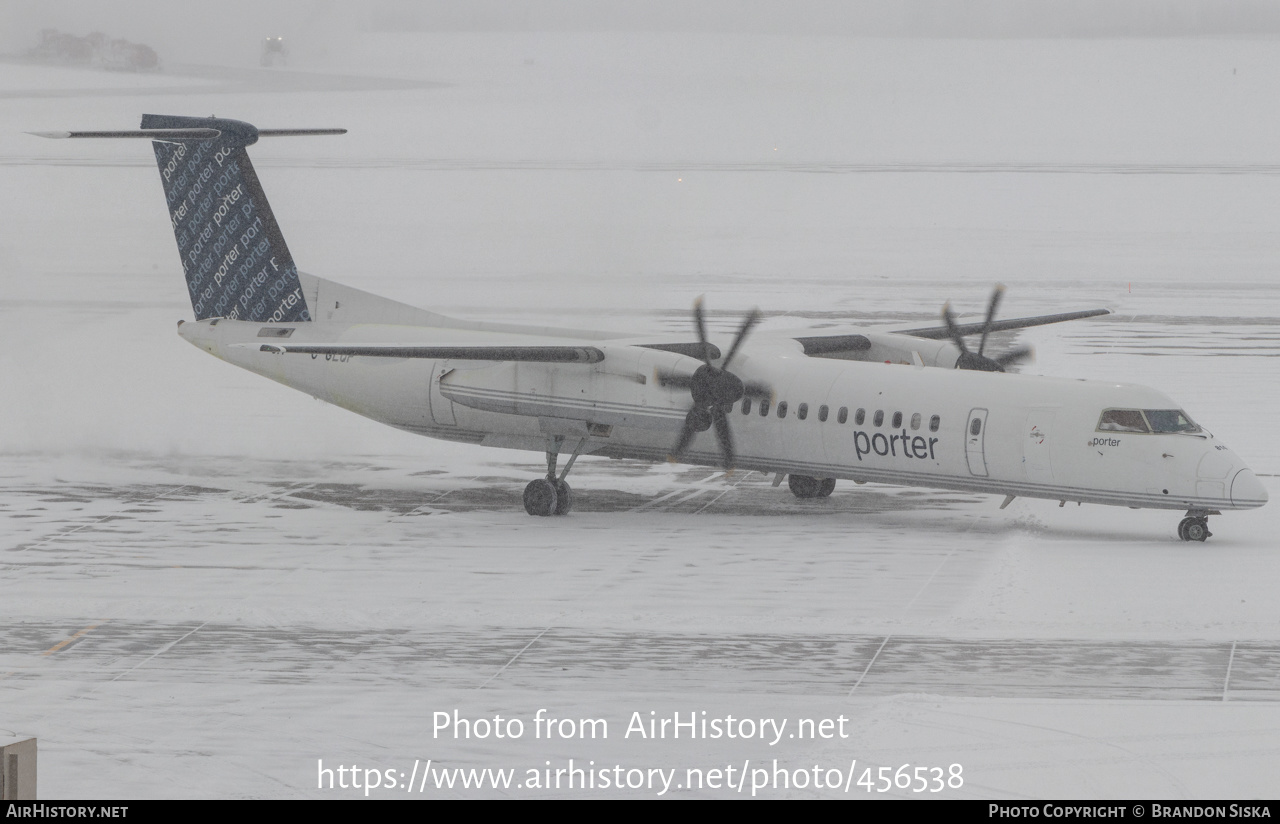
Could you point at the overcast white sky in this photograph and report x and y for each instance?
(168, 27)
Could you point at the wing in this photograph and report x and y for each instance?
(941, 332)
(523, 354)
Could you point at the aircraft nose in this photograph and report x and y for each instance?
(1246, 490)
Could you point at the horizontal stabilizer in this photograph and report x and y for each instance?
(246, 133)
(150, 134)
(521, 354)
(298, 132)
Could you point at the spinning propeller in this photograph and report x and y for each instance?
(714, 389)
(976, 360)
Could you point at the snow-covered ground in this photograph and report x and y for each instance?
(254, 581)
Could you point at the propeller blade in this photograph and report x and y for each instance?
(702, 329)
(1021, 353)
(715, 391)
(686, 436)
(977, 363)
(752, 318)
(724, 436)
(996, 294)
(950, 321)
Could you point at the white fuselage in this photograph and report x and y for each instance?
(863, 421)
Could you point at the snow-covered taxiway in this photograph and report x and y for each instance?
(209, 584)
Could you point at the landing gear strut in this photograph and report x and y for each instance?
(1194, 527)
(803, 486)
(551, 495)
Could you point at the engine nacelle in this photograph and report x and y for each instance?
(891, 347)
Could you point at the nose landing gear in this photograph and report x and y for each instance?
(551, 495)
(1195, 527)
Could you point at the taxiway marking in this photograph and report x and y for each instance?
(96, 521)
(1226, 681)
(63, 643)
(699, 488)
(58, 646)
(868, 668)
(503, 668)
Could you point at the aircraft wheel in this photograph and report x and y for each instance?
(1194, 529)
(540, 498)
(564, 498)
(825, 487)
(802, 486)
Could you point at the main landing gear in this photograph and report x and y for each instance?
(803, 486)
(1195, 527)
(551, 495)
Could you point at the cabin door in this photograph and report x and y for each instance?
(975, 435)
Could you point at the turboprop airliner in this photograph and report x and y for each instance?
(915, 407)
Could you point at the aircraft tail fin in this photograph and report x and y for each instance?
(235, 259)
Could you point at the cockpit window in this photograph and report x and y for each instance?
(1170, 420)
(1146, 420)
(1122, 420)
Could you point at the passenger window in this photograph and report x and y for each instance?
(934, 423)
(822, 413)
(915, 421)
(843, 414)
(802, 411)
(746, 406)
(879, 418)
(975, 428)
(860, 417)
(782, 409)
(764, 408)
(897, 419)
(1122, 420)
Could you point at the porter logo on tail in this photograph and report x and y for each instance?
(235, 259)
